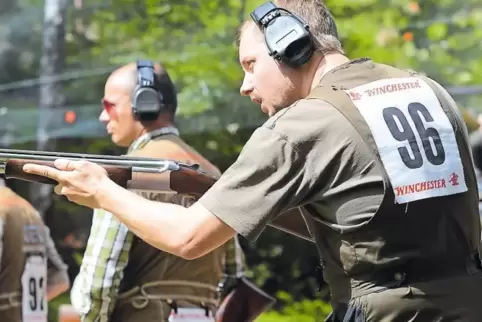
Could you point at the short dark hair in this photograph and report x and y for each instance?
(166, 87)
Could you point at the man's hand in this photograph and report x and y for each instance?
(79, 181)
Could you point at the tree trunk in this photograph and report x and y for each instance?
(51, 97)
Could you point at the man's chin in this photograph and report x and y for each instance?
(119, 141)
(267, 111)
(113, 138)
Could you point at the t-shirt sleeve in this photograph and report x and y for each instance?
(264, 181)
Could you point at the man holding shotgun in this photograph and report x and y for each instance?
(123, 278)
(377, 156)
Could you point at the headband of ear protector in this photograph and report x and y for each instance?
(286, 35)
(147, 101)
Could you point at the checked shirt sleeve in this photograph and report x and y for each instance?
(234, 260)
(96, 286)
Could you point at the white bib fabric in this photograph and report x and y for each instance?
(190, 315)
(34, 290)
(414, 136)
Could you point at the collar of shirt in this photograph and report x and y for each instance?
(143, 139)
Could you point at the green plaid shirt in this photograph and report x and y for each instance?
(95, 288)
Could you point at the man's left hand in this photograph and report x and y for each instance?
(79, 181)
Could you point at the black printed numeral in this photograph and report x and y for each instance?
(403, 131)
(36, 292)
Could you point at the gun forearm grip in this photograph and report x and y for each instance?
(14, 170)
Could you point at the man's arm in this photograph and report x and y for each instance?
(185, 232)
(262, 183)
(267, 179)
(57, 277)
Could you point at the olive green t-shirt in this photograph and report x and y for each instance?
(306, 154)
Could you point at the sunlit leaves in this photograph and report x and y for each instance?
(193, 39)
(437, 31)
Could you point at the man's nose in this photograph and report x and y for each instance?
(104, 116)
(246, 87)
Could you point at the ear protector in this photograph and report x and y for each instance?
(286, 35)
(147, 101)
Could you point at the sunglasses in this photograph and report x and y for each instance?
(108, 107)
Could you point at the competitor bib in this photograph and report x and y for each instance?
(414, 137)
(34, 289)
(190, 315)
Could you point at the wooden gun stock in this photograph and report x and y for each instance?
(189, 181)
(14, 170)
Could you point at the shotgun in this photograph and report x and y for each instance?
(241, 302)
(132, 173)
(139, 174)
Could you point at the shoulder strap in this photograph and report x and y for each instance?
(338, 99)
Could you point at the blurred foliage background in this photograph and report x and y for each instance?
(55, 56)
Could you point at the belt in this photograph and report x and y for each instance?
(139, 296)
(420, 270)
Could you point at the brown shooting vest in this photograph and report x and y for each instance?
(401, 243)
(23, 238)
(155, 281)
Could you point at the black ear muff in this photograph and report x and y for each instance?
(287, 36)
(147, 101)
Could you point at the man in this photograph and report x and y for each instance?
(475, 140)
(121, 277)
(377, 157)
(31, 271)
